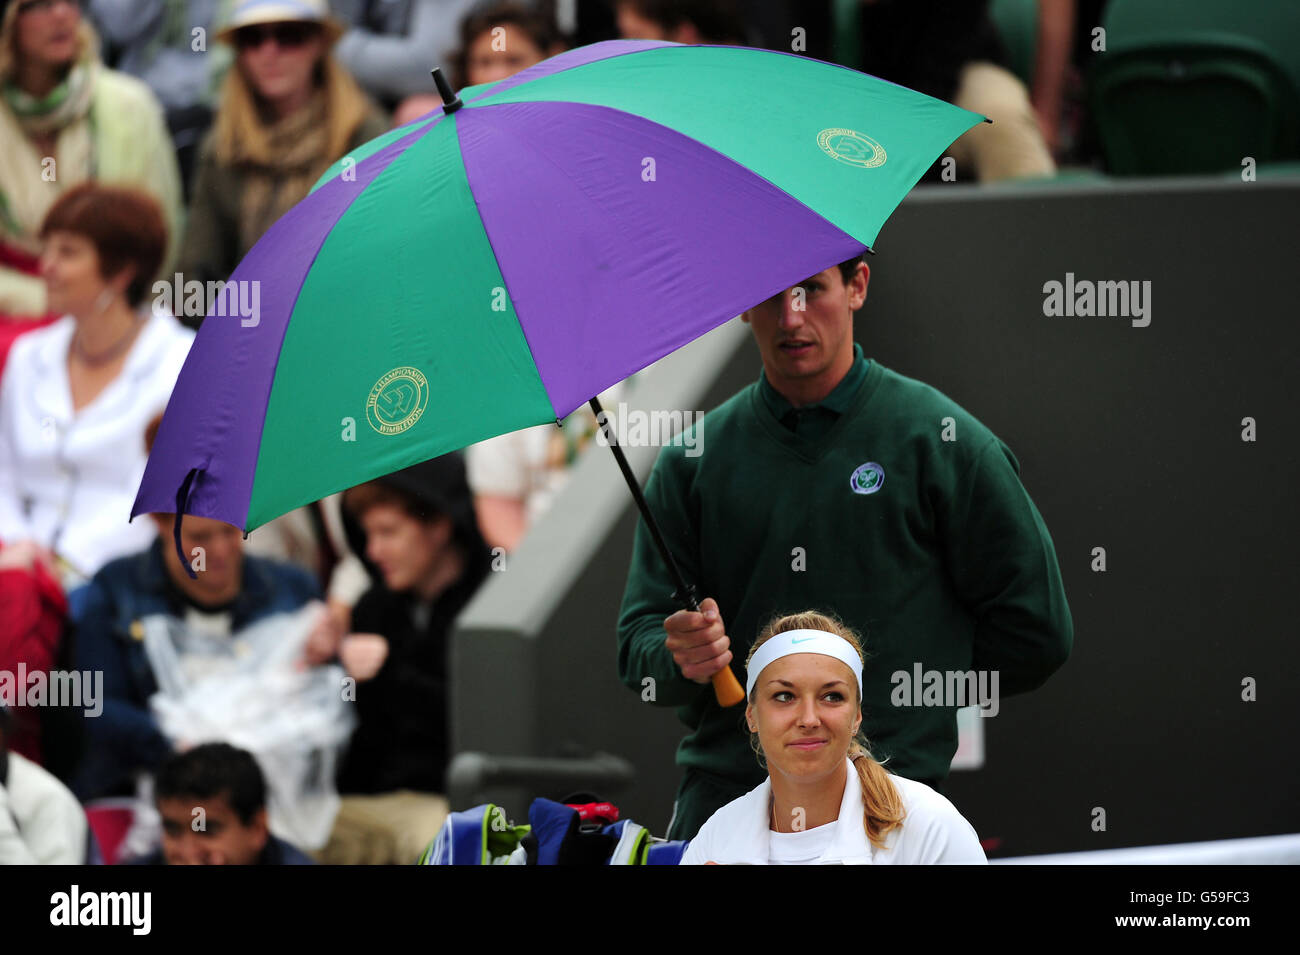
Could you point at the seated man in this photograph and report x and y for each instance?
(230, 592)
(418, 531)
(212, 800)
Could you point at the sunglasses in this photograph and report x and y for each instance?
(286, 35)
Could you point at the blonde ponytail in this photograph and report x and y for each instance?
(882, 805)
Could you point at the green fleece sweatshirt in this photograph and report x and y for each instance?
(902, 514)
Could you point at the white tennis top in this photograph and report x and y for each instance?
(933, 833)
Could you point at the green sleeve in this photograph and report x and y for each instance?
(1004, 567)
(647, 599)
(133, 147)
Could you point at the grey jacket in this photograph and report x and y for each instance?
(392, 45)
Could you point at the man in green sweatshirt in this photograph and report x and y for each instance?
(835, 484)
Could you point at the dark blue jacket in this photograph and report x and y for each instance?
(109, 638)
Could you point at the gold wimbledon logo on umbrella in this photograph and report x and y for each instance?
(397, 400)
(851, 147)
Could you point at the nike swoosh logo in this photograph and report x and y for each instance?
(800, 639)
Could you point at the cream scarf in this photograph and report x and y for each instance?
(28, 184)
(279, 161)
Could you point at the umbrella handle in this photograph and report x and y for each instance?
(727, 688)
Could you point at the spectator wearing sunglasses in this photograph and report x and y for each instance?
(287, 111)
(65, 119)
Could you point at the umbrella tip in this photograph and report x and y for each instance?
(450, 101)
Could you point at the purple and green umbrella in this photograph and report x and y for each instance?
(496, 263)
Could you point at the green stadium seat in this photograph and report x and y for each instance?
(1194, 87)
(1275, 24)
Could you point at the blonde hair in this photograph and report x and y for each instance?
(239, 132)
(882, 805)
(10, 56)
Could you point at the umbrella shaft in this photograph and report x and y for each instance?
(685, 593)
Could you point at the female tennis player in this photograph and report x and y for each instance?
(826, 800)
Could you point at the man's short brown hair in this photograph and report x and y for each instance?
(850, 266)
(126, 227)
(362, 498)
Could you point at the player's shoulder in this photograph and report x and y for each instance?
(742, 807)
(728, 832)
(931, 815)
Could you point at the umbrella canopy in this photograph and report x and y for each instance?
(498, 262)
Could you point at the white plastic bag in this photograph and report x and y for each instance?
(248, 690)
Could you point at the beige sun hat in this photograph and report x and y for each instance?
(250, 12)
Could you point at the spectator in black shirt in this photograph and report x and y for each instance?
(419, 536)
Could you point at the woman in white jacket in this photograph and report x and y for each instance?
(76, 395)
(826, 800)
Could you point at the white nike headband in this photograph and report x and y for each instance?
(803, 641)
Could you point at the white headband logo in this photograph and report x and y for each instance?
(803, 641)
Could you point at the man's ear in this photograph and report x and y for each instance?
(864, 275)
(164, 524)
(261, 825)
